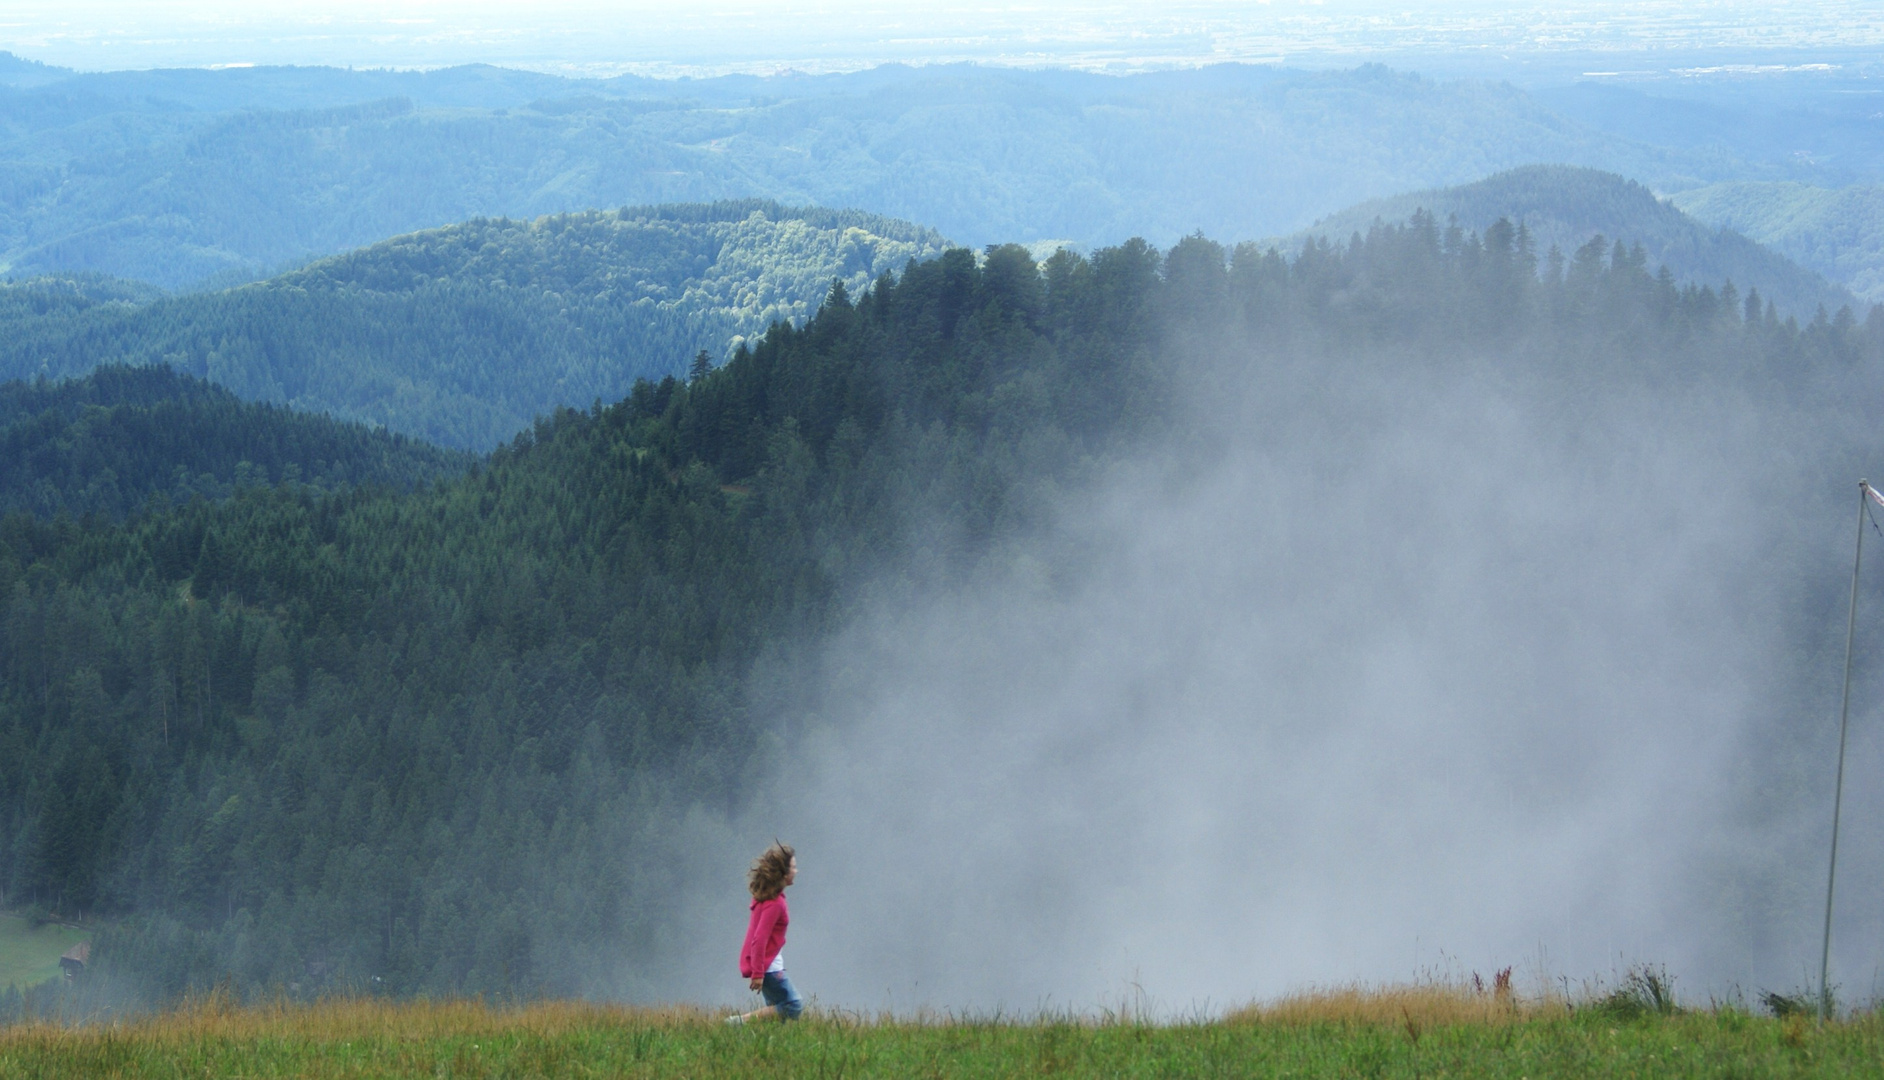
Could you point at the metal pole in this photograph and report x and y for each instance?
(1838, 785)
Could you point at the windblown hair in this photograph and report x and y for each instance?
(766, 879)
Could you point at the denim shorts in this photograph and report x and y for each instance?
(781, 995)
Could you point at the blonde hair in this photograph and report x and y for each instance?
(766, 879)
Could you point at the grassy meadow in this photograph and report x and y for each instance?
(29, 955)
(1393, 1032)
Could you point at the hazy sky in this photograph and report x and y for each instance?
(721, 35)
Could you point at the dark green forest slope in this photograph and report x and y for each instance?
(175, 177)
(108, 442)
(1565, 207)
(456, 739)
(310, 718)
(463, 335)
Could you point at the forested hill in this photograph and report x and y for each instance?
(1838, 232)
(1568, 207)
(463, 335)
(457, 740)
(108, 442)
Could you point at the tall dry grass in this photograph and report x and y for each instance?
(1418, 1005)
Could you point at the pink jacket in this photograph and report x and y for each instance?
(765, 936)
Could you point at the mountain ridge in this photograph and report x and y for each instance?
(176, 176)
(1567, 206)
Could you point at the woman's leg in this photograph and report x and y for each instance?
(781, 1001)
(782, 996)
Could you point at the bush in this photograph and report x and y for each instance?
(1784, 1005)
(1645, 991)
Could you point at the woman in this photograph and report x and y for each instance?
(762, 960)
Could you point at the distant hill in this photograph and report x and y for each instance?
(1838, 232)
(463, 335)
(1567, 206)
(19, 71)
(175, 177)
(1818, 127)
(108, 442)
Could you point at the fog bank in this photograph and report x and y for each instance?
(1379, 668)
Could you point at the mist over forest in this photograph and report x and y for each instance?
(1179, 537)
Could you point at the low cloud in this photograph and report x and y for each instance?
(1377, 670)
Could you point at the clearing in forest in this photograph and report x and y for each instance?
(29, 955)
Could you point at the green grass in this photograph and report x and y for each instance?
(457, 1039)
(30, 955)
